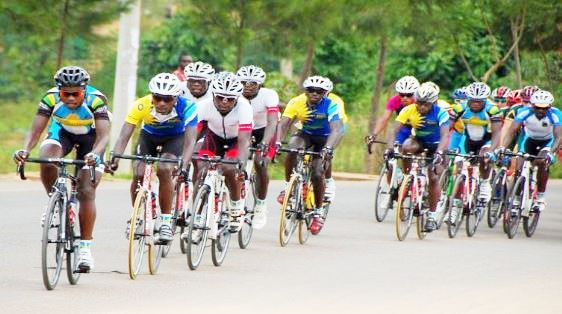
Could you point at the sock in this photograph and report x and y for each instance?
(540, 196)
(85, 244)
(166, 218)
(329, 180)
(259, 202)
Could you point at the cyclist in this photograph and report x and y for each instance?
(321, 131)
(229, 121)
(430, 126)
(79, 118)
(499, 97)
(169, 121)
(542, 137)
(265, 106)
(459, 95)
(198, 75)
(330, 190)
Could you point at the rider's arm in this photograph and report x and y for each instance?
(505, 128)
(443, 135)
(124, 137)
(557, 139)
(392, 134)
(102, 136)
(189, 144)
(283, 127)
(513, 128)
(382, 122)
(336, 131)
(272, 120)
(243, 145)
(496, 134)
(39, 123)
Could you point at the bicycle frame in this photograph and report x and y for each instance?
(528, 171)
(472, 175)
(215, 181)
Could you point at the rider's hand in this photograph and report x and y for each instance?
(499, 151)
(550, 157)
(370, 139)
(183, 174)
(92, 159)
(388, 154)
(20, 156)
(262, 148)
(278, 146)
(327, 153)
(438, 158)
(490, 155)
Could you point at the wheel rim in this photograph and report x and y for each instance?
(404, 211)
(52, 248)
(195, 249)
(383, 188)
(288, 218)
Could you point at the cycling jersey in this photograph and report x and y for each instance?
(454, 110)
(513, 110)
(394, 104)
(75, 121)
(426, 128)
(226, 126)
(539, 129)
(333, 97)
(315, 119)
(264, 102)
(187, 94)
(477, 124)
(184, 114)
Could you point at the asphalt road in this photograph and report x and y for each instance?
(355, 265)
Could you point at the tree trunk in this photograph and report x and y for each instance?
(286, 68)
(307, 67)
(516, 55)
(240, 41)
(60, 50)
(375, 101)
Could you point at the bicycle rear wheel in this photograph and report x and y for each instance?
(456, 207)
(404, 210)
(382, 204)
(420, 224)
(52, 246)
(530, 223)
(291, 205)
(513, 213)
(497, 203)
(155, 250)
(137, 240)
(219, 246)
(442, 208)
(245, 233)
(73, 253)
(197, 235)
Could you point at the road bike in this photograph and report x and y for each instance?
(387, 190)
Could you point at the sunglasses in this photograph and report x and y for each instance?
(497, 99)
(406, 95)
(164, 98)
(197, 81)
(77, 94)
(227, 98)
(313, 90)
(249, 83)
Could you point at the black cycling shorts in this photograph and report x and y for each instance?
(312, 142)
(170, 144)
(84, 143)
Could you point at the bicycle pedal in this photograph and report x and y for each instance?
(82, 270)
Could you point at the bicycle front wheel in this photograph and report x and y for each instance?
(442, 208)
(289, 209)
(245, 233)
(137, 239)
(456, 207)
(513, 212)
(497, 203)
(405, 209)
(73, 253)
(383, 195)
(420, 224)
(52, 246)
(530, 223)
(197, 234)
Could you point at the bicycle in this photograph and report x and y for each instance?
(183, 190)
(446, 183)
(387, 190)
(496, 206)
(412, 197)
(245, 233)
(142, 231)
(522, 198)
(211, 210)
(298, 203)
(464, 197)
(60, 236)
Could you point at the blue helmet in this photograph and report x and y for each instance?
(459, 93)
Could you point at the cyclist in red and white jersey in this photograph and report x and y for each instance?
(265, 106)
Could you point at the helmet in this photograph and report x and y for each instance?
(514, 97)
(226, 83)
(427, 93)
(459, 93)
(318, 81)
(527, 91)
(71, 76)
(330, 85)
(251, 73)
(199, 70)
(542, 98)
(407, 85)
(434, 85)
(501, 92)
(165, 84)
(478, 91)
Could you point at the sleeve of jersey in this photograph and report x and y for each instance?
(557, 117)
(190, 115)
(272, 101)
(522, 115)
(46, 105)
(333, 112)
(443, 117)
(494, 113)
(246, 119)
(99, 108)
(404, 114)
(134, 116)
(290, 111)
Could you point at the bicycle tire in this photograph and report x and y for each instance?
(246, 232)
(291, 204)
(420, 226)
(444, 197)
(51, 240)
(166, 248)
(497, 203)
(454, 226)
(73, 253)
(155, 252)
(303, 224)
(515, 201)
(404, 214)
(198, 247)
(381, 210)
(219, 246)
(137, 240)
(183, 242)
(530, 223)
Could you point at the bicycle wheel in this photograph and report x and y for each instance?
(474, 214)
(442, 208)
(197, 235)
(137, 240)
(420, 224)
(497, 203)
(513, 213)
(405, 210)
(183, 242)
(456, 207)
(155, 250)
(52, 246)
(530, 223)
(245, 233)
(219, 246)
(382, 204)
(73, 252)
(304, 221)
(291, 205)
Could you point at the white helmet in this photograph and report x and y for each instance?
(226, 83)
(542, 97)
(432, 84)
(407, 85)
(200, 70)
(427, 92)
(166, 84)
(330, 85)
(251, 73)
(318, 81)
(478, 91)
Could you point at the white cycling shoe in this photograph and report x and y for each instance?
(260, 216)
(86, 261)
(330, 191)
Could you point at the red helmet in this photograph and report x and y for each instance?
(514, 97)
(527, 91)
(501, 92)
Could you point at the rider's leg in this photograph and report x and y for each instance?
(317, 179)
(49, 172)
(485, 174)
(410, 146)
(138, 176)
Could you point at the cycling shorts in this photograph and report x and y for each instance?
(172, 144)
(84, 143)
(214, 145)
(312, 142)
(404, 132)
(467, 145)
(534, 146)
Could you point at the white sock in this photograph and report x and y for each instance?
(85, 244)
(259, 202)
(166, 219)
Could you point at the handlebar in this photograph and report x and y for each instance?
(216, 160)
(300, 151)
(57, 161)
(146, 158)
(373, 142)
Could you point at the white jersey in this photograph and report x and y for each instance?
(227, 127)
(539, 129)
(187, 94)
(266, 101)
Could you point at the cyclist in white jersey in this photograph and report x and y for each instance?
(265, 105)
(229, 127)
(198, 75)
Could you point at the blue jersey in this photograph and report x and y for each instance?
(315, 119)
(539, 129)
(426, 128)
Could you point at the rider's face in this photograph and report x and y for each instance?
(540, 112)
(224, 103)
(406, 99)
(423, 107)
(314, 94)
(197, 87)
(476, 105)
(72, 96)
(250, 89)
(163, 104)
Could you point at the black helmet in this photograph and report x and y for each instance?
(72, 76)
